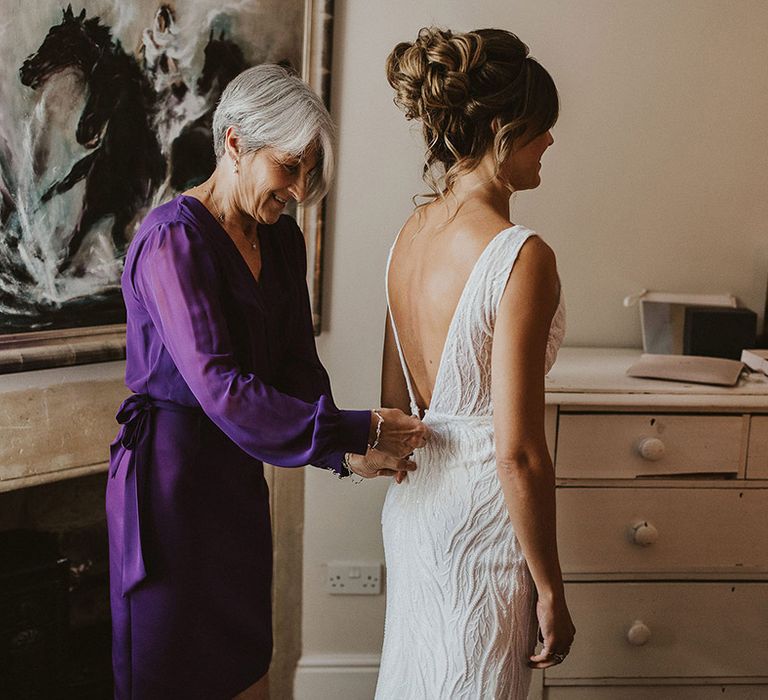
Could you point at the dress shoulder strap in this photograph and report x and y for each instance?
(401, 355)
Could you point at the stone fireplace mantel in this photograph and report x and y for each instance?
(57, 423)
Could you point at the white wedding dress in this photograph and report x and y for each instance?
(460, 619)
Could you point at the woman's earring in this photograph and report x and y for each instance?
(236, 169)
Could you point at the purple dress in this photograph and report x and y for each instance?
(225, 376)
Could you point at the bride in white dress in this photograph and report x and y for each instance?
(475, 320)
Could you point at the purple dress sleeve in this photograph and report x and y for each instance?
(303, 369)
(179, 286)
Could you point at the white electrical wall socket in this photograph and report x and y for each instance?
(353, 578)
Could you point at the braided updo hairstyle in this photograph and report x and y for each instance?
(472, 92)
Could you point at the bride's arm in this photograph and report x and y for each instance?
(523, 462)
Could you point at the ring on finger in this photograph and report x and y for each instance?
(559, 658)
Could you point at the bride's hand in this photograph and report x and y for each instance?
(399, 435)
(556, 631)
(376, 463)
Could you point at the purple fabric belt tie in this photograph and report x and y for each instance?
(135, 436)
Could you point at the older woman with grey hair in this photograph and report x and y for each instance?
(222, 362)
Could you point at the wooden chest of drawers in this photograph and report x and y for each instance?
(662, 493)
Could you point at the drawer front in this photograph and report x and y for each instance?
(757, 456)
(625, 446)
(692, 630)
(658, 692)
(604, 530)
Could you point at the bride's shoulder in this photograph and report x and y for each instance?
(533, 270)
(535, 250)
(419, 220)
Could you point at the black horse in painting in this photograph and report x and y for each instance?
(125, 165)
(192, 156)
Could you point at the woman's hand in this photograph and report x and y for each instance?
(376, 463)
(556, 631)
(400, 434)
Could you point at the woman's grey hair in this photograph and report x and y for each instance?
(270, 106)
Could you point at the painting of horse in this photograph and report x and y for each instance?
(124, 165)
(106, 112)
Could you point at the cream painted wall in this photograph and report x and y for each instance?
(658, 178)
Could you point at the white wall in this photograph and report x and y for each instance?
(657, 179)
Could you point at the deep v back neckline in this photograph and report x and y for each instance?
(415, 408)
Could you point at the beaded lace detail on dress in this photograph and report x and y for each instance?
(460, 621)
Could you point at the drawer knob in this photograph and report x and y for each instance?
(644, 533)
(638, 634)
(651, 448)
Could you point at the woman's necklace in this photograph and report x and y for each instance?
(220, 219)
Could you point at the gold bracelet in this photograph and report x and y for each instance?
(378, 430)
(355, 478)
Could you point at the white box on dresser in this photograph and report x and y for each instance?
(662, 492)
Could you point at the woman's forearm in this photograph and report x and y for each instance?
(528, 483)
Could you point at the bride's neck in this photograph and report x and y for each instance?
(482, 186)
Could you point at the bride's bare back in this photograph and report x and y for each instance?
(431, 262)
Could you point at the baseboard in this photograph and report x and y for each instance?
(336, 676)
(353, 677)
